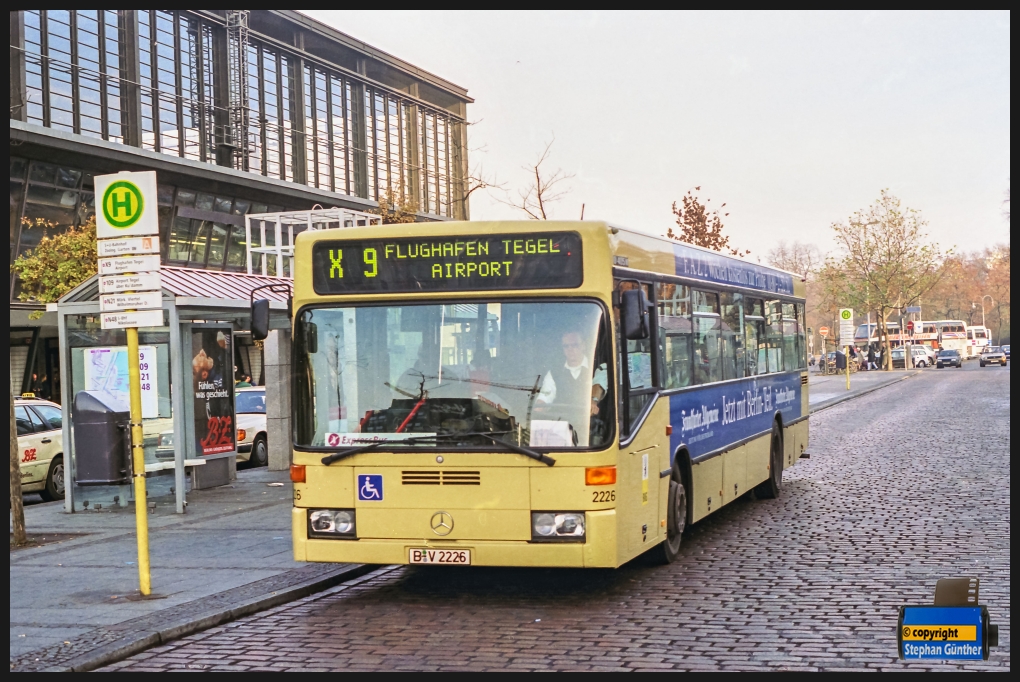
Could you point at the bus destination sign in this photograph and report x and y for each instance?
(547, 260)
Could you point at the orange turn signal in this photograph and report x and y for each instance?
(297, 473)
(669, 429)
(600, 476)
(241, 434)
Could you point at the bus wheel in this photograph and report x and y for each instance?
(770, 488)
(676, 520)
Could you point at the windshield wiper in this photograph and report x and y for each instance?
(488, 435)
(521, 450)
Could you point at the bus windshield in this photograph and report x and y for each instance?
(525, 373)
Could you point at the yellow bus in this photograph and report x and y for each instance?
(532, 393)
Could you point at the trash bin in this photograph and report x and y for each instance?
(101, 427)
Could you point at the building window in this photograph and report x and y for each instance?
(306, 122)
(175, 58)
(73, 71)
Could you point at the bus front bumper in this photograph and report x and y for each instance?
(598, 550)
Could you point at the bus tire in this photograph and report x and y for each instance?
(676, 520)
(770, 489)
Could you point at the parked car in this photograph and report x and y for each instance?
(948, 358)
(250, 412)
(993, 355)
(250, 408)
(929, 354)
(40, 447)
(1005, 349)
(919, 355)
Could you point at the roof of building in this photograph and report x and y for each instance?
(194, 283)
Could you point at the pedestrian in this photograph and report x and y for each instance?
(871, 357)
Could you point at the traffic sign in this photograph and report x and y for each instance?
(823, 331)
(129, 246)
(145, 300)
(141, 318)
(910, 326)
(846, 326)
(116, 284)
(124, 264)
(126, 205)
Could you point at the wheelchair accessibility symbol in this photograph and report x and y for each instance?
(370, 488)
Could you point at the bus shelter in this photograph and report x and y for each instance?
(203, 311)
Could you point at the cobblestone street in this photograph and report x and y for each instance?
(905, 485)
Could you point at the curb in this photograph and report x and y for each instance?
(136, 643)
(857, 394)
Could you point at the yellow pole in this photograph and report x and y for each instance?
(138, 460)
(847, 368)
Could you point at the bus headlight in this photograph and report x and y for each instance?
(330, 523)
(557, 526)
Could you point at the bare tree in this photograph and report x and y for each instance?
(545, 188)
(478, 179)
(700, 227)
(799, 257)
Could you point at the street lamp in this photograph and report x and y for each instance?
(982, 304)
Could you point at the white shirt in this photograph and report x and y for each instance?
(548, 393)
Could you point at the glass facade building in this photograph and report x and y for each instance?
(237, 111)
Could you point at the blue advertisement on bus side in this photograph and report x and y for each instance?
(714, 417)
(722, 270)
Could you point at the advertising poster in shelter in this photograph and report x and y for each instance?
(212, 381)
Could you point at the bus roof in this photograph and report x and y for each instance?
(653, 253)
(629, 250)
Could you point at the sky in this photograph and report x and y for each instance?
(794, 120)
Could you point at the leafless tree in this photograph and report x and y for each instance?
(799, 257)
(544, 188)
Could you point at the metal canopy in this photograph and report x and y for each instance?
(275, 233)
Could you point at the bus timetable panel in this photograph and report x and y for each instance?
(548, 260)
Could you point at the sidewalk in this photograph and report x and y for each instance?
(826, 391)
(75, 603)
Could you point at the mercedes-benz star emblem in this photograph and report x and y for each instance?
(442, 523)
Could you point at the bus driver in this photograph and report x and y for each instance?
(567, 385)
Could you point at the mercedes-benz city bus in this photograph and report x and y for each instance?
(532, 394)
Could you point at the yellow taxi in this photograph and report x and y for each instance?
(40, 446)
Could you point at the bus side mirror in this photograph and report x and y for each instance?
(310, 337)
(260, 319)
(634, 314)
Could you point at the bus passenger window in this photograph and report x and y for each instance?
(732, 338)
(754, 337)
(791, 359)
(774, 328)
(675, 334)
(707, 333)
(801, 338)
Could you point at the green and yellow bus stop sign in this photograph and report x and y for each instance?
(127, 205)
